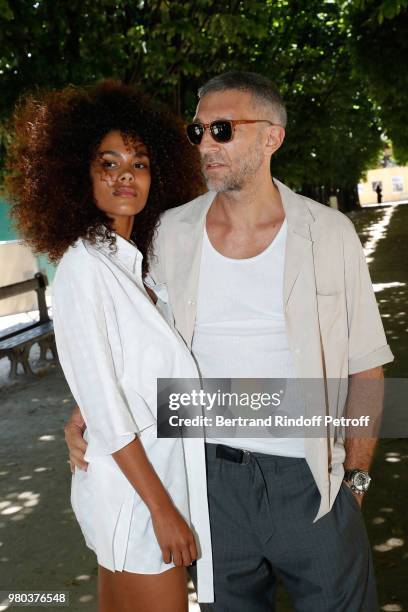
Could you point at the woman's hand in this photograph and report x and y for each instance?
(174, 536)
(74, 431)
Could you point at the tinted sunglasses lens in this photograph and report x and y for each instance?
(221, 131)
(195, 133)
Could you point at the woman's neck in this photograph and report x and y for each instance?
(123, 226)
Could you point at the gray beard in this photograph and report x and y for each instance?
(236, 181)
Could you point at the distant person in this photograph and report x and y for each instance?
(92, 171)
(379, 193)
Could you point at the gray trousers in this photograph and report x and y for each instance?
(261, 516)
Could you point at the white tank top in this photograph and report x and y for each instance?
(240, 327)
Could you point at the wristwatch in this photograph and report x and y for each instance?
(358, 480)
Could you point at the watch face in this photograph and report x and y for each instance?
(361, 480)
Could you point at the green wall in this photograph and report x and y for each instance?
(7, 232)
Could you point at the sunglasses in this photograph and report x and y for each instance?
(221, 130)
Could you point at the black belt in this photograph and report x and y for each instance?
(232, 454)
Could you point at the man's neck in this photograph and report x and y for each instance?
(253, 205)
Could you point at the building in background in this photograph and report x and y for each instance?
(389, 180)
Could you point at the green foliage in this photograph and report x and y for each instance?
(386, 9)
(170, 48)
(380, 51)
(333, 133)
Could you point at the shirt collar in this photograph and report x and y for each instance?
(125, 252)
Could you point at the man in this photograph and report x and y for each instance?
(265, 283)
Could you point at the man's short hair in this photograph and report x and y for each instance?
(260, 86)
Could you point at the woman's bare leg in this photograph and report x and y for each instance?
(106, 595)
(128, 592)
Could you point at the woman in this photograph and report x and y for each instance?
(91, 172)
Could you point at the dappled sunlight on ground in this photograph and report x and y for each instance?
(42, 546)
(376, 232)
(385, 508)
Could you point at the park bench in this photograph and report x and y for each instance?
(16, 341)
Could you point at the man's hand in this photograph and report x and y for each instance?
(74, 430)
(359, 498)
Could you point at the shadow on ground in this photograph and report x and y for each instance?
(41, 546)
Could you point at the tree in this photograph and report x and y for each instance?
(170, 48)
(379, 46)
(333, 133)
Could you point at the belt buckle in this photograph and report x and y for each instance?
(246, 457)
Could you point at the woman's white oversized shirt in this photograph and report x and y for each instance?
(113, 344)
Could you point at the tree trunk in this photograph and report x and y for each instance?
(348, 198)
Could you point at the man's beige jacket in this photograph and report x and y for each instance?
(333, 325)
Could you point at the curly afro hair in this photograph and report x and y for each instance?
(55, 139)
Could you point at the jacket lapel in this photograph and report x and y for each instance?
(299, 242)
(183, 257)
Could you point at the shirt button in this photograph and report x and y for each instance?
(297, 351)
(191, 302)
